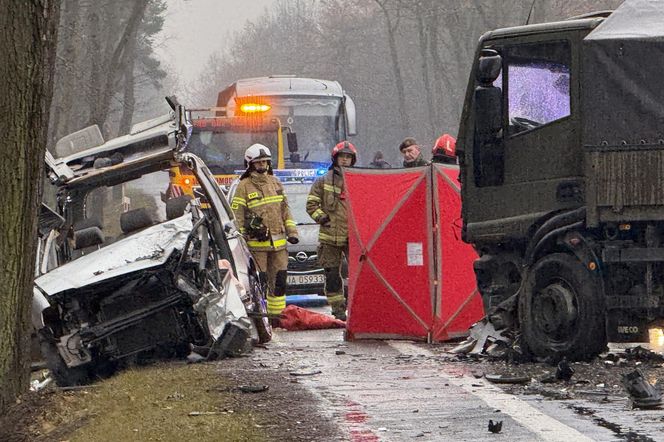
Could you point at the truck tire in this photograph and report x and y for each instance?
(561, 310)
(64, 376)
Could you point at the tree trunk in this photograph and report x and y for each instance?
(28, 37)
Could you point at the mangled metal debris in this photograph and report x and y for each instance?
(484, 339)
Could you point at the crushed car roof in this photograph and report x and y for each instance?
(142, 250)
(151, 138)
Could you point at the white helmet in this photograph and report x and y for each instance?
(257, 152)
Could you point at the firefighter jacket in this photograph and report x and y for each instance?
(327, 197)
(262, 195)
(417, 162)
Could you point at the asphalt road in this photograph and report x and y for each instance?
(400, 390)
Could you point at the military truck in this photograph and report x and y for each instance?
(561, 148)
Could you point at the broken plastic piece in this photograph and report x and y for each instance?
(495, 427)
(233, 341)
(305, 373)
(564, 371)
(641, 392)
(253, 388)
(504, 379)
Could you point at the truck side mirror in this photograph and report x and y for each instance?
(291, 138)
(489, 67)
(488, 149)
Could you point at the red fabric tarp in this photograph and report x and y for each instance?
(297, 318)
(410, 275)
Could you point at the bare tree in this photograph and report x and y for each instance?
(28, 40)
(391, 25)
(106, 69)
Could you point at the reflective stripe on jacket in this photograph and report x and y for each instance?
(327, 197)
(263, 195)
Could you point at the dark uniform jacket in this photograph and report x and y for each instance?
(419, 161)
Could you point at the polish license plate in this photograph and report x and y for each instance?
(306, 279)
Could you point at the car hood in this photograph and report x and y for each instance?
(308, 235)
(143, 250)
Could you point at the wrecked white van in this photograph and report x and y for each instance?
(123, 276)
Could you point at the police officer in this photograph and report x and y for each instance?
(327, 205)
(264, 219)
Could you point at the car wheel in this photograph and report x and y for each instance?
(64, 376)
(561, 310)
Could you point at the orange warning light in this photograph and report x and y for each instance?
(252, 108)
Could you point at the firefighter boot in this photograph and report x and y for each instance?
(275, 305)
(338, 303)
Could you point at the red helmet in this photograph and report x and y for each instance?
(345, 147)
(445, 143)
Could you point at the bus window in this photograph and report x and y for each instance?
(223, 152)
(315, 122)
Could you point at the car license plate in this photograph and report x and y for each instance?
(306, 279)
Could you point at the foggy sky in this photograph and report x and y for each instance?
(194, 29)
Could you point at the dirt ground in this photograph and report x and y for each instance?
(174, 401)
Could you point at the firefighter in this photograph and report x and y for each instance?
(444, 150)
(264, 219)
(327, 205)
(412, 155)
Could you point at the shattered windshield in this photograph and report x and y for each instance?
(538, 85)
(539, 92)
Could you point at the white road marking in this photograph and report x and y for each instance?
(545, 427)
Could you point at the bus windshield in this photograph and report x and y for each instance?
(223, 152)
(314, 120)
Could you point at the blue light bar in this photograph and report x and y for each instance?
(295, 175)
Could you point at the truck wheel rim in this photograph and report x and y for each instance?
(554, 309)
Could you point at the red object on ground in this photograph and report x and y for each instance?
(408, 279)
(297, 318)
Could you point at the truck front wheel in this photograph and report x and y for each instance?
(561, 309)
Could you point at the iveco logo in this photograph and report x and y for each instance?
(301, 256)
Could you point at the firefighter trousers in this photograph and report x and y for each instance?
(330, 258)
(273, 266)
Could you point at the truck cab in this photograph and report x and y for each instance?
(559, 147)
